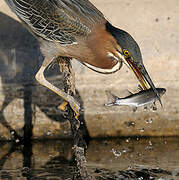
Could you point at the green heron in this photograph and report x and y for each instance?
(77, 29)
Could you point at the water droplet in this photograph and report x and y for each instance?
(49, 133)
(116, 153)
(12, 133)
(149, 121)
(150, 143)
(17, 140)
(130, 124)
(140, 178)
(142, 130)
(65, 132)
(150, 148)
(124, 150)
(152, 178)
(131, 156)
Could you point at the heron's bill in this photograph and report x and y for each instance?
(142, 76)
(138, 74)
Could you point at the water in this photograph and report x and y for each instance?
(121, 159)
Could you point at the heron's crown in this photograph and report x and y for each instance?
(125, 41)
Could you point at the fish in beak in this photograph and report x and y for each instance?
(140, 72)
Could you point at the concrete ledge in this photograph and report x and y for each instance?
(153, 24)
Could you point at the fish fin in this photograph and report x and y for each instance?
(111, 99)
(134, 108)
(154, 107)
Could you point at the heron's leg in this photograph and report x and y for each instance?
(42, 80)
(69, 88)
(79, 142)
(68, 79)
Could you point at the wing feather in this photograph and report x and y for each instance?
(57, 20)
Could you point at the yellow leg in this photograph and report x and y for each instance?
(68, 78)
(63, 105)
(41, 79)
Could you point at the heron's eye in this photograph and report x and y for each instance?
(126, 53)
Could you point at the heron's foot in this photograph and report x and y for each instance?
(63, 107)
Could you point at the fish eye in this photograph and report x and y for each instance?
(128, 55)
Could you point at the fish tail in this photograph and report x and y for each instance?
(112, 99)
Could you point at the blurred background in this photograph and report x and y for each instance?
(24, 103)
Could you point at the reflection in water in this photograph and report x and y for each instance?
(145, 159)
(37, 160)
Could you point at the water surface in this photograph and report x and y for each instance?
(129, 158)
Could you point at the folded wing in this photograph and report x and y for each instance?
(60, 21)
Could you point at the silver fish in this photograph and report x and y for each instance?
(142, 98)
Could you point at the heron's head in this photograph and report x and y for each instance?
(129, 53)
